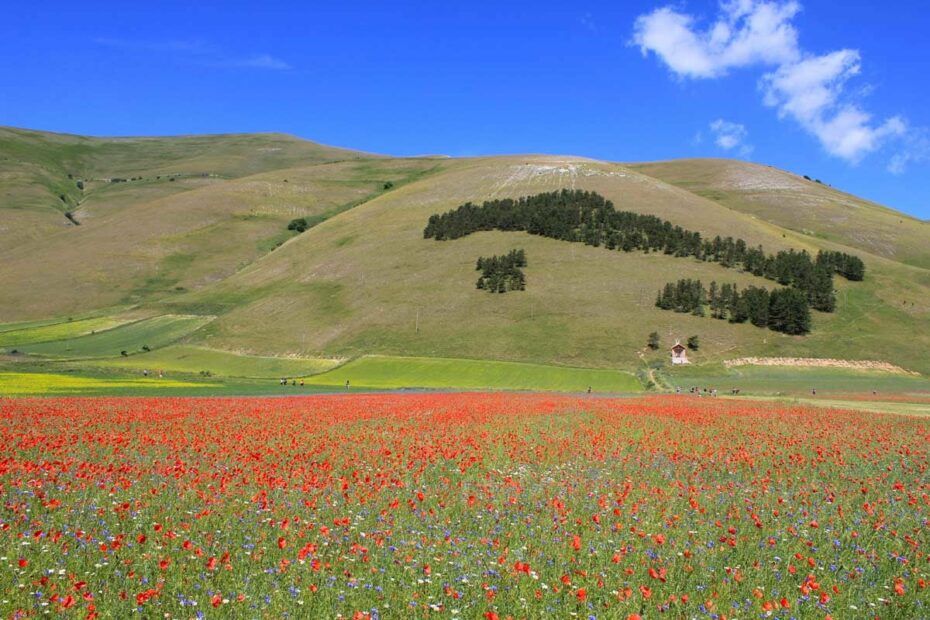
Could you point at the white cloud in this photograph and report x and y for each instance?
(731, 136)
(747, 32)
(805, 87)
(809, 92)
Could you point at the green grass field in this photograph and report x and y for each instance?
(231, 374)
(35, 383)
(780, 380)
(58, 331)
(191, 359)
(60, 380)
(24, 325)
(153, 333)
(388, 372)
(109, 313)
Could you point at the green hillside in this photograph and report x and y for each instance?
(207, 260)
(804, 205)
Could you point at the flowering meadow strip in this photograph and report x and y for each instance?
(460, 506)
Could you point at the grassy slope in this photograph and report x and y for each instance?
(405, 372)
(364, 281)
(34, 169)
(153, 238)
(584, 306)
(801, 205)
(321, 293)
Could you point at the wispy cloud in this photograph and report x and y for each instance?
(197, 52)
(587, 21)
(731, 137)
(915, 150)
(810, 91)
(259, 61)
(805, 87)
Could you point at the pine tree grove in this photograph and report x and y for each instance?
(587, 217)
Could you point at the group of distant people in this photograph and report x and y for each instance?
(145, 373)
(706, 391)
(286, 381)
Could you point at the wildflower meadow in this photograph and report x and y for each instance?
(481, 506)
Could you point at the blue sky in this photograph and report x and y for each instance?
(838, 94)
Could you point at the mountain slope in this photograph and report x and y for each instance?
(365, 281)
(189, 213)
(40, 171)
(802, 205)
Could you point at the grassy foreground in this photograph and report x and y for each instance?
(390, 372)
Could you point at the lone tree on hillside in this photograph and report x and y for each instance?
(693, 343)
(653, 341)
(299, 224)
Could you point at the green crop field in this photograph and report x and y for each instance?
(795, 381)
(419, 372)
(62, 380)
(153, 333)
(24, 325)
(21, 383)
(190, 359)
(58, 331)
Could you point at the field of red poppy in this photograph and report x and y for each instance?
(461, 506)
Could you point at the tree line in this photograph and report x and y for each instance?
(849, 266)
(582, 216)
(500, 274)
(785, 310)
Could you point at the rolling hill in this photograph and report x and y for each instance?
(198, 232)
